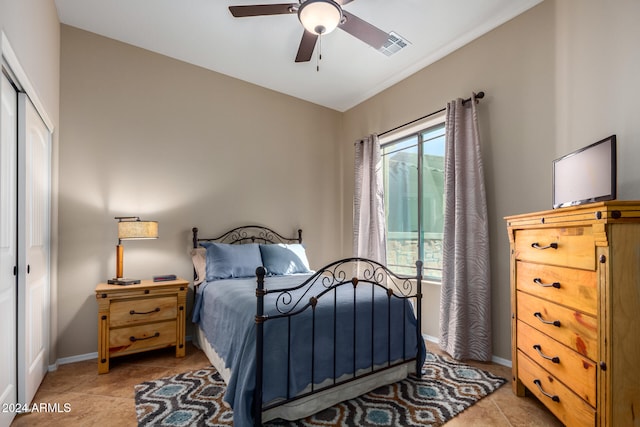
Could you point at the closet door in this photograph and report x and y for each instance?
(34, 177)
(8, 249)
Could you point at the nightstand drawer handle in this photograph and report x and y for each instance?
(553, 397)
(554, 359)
(546, 322)
(155, 310)
(538, 281)
(553, 245)
(134, 339)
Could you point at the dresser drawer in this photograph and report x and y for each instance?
(572, 328)
(577, 372)
(560, 400)
(567, 247)
(135, 338)
(134, 311)
(570, 287)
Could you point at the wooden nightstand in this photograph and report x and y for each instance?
(141, 317)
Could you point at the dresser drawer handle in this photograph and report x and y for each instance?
(538, 281)
(554, 359)
(553, 245)
(134, 339)
(546, 322)
(553, 397)
(155, 310)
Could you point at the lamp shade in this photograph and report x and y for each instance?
(320, 16)
(134, 230)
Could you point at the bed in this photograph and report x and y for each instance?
(290, 341)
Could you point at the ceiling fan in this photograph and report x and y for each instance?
(318, 17)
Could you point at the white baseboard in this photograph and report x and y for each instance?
(501, 361)
(494, 359)
(429, 338)
(73, 359)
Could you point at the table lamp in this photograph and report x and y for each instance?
(131, 228)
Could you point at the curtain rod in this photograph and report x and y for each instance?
(479, 95)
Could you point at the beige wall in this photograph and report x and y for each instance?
(33, 32)
(143, 134)
(558, 77)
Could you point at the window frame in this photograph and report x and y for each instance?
(417, 129)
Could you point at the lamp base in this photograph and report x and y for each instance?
(122, 281)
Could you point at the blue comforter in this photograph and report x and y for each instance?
(225, 311)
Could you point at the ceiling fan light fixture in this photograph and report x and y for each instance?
(320, 16)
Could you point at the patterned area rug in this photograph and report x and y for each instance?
(446, 389)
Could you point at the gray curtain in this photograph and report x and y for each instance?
(369, 239)
(465, 303)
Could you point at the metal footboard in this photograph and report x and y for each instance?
(323, 285)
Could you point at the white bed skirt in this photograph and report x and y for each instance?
(316, 402)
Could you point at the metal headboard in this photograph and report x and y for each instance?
(247, 234)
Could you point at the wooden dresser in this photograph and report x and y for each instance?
(575, 299)
(141, 317)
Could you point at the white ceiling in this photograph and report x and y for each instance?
(261, 50)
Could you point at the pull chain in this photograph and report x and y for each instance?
(319, 54)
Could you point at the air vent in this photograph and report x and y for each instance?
(394, 44)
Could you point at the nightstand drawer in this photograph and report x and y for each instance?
(565, 405)
(577, 372)
(567, 247)
(567, 286)
(574, 329)
(134, 311)
(135, 338)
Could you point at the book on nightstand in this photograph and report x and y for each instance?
(164, 278)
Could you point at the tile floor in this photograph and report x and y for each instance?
(108, 400)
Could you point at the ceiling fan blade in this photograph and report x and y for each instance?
(371, 35)
(343, 2)
(263, 9)
(307, 44)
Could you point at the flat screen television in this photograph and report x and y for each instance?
(586, 175)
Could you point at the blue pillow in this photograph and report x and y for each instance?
(226, 261)
(280, 259)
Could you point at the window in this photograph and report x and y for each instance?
(413, 170)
